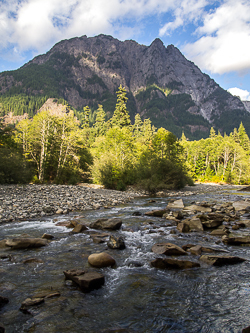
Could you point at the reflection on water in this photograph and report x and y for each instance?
(138, 299)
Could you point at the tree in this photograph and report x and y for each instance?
(100, 124)
(54, 143)
(36, 139)
(121, 117)
(85, 118)
(137, 127)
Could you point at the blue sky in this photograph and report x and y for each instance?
(215, 35)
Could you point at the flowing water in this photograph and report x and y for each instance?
(133, 299)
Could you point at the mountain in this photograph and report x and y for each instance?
(161, 83)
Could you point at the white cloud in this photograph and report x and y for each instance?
(243, 94)
(38, 24)
(185, 11)
(224, 39)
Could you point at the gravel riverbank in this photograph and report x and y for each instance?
(22, 202)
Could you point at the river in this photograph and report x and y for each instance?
(133, 299)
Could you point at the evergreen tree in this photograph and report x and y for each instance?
(137, 127)
(121, 117)
(243, 137)
(100, 124)
(85, 119)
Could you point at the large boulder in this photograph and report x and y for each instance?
(167, 263)
(221, 260)
(26, 243)
(116, 243)
(168, 249)
(86, 281)
(109, 224)
(102, 259)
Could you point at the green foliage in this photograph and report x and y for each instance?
(20, 104)
(170, 111)
(121, 117)
(219, 159)
(14, 169)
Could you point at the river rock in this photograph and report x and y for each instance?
(212, 249)
(3, 301)
(79, 228)
(33, 261)
(167, 263)
(196, 250)
(212, 223)
(47, 236)
(198, 209)
(3, 244)
(64, 224)
(26, 243)
(102, 259)
(110, 224)
(217, 260)
(168, 249)
(177, 204)
(116, 243)
(183, 227)
(86, 281)
(47, 294)
(240, 240)
(221, 231)
(30, 302)
(241, 205)
(156, 213)
(194, 224)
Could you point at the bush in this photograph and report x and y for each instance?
(14, 168)
(162, 174)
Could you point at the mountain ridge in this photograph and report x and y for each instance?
(161, 83)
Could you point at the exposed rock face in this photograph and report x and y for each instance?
(94, 68)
